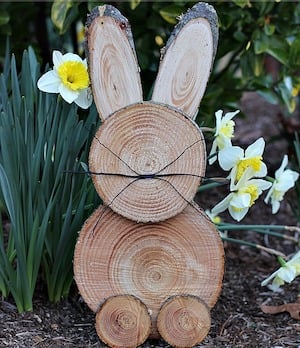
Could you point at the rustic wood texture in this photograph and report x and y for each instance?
(160, 149)
(123, 321)
(184, 321)
(187, 60)
(112, 61)
(153, 261)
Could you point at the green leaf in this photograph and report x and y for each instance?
(273, 45)
(269, 29)
(134, 4)
(242, 3)
(4, 17)
(170, 13)
(269, 96)
(63, 12)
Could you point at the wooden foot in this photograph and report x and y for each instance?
(184, 321)
(123, 321)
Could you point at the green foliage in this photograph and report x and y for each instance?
(42, 141)
(250, 32)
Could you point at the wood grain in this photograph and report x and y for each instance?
(148, 139)
(153, 261)
(187, 60)
(184, 321)
(113, 67)
(123, 321)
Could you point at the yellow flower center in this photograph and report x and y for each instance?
(253, 192)
(74, 75)
(216, 219)
(253, 162)
(227, 129)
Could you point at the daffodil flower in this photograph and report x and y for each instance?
(223, 133)
(285, 274)
(284, 180)
(214, 218)
(69, 78)
(242, 197)
(237, 160)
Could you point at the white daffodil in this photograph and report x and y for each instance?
(69, 78)
(284, 180)
(223, 134)
(238, 161)
(244, 195)
(285, 274)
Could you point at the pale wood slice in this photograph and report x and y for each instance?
(112, 61)
(153, 261)
(160, 150)
(184, 321)
(187, 60)
(123, 321)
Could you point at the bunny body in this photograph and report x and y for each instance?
(150, 250)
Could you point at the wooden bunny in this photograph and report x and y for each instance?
(149, 262)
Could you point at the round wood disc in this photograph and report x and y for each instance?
(153, 261)
(184, 321)
(147, 161)
(123, 321)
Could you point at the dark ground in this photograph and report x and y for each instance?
(237, 320)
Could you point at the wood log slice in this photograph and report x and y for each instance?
(152, 261)
(187, 60)
(184, 321)
(147, 161)
(112, 61)
(123, 321)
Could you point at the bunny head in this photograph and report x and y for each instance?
(148, 157)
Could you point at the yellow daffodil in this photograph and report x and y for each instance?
(238, 161)
(242, 197)
(284, 180)
(214, 218)
(223, 133)
(69, 78)
(285, 274)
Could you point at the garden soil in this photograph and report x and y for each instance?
(237, 318)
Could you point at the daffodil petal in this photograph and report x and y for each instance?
(238, 215)
(84, 99)
(222, 206)
(263, 171)
(287, 273)
(57, 58)
(255, 149)
(49, 82)
(213, 154)
(261, 184)
(71, 57)
(68, 95)
(280, 170)
(241, 201)
(275, 206)
(275, 286)
(229, 156)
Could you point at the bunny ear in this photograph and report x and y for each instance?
(187, 60)
(113, 67)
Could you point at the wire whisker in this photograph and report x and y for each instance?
(138, 176)
(181, 154)
(117, 156)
